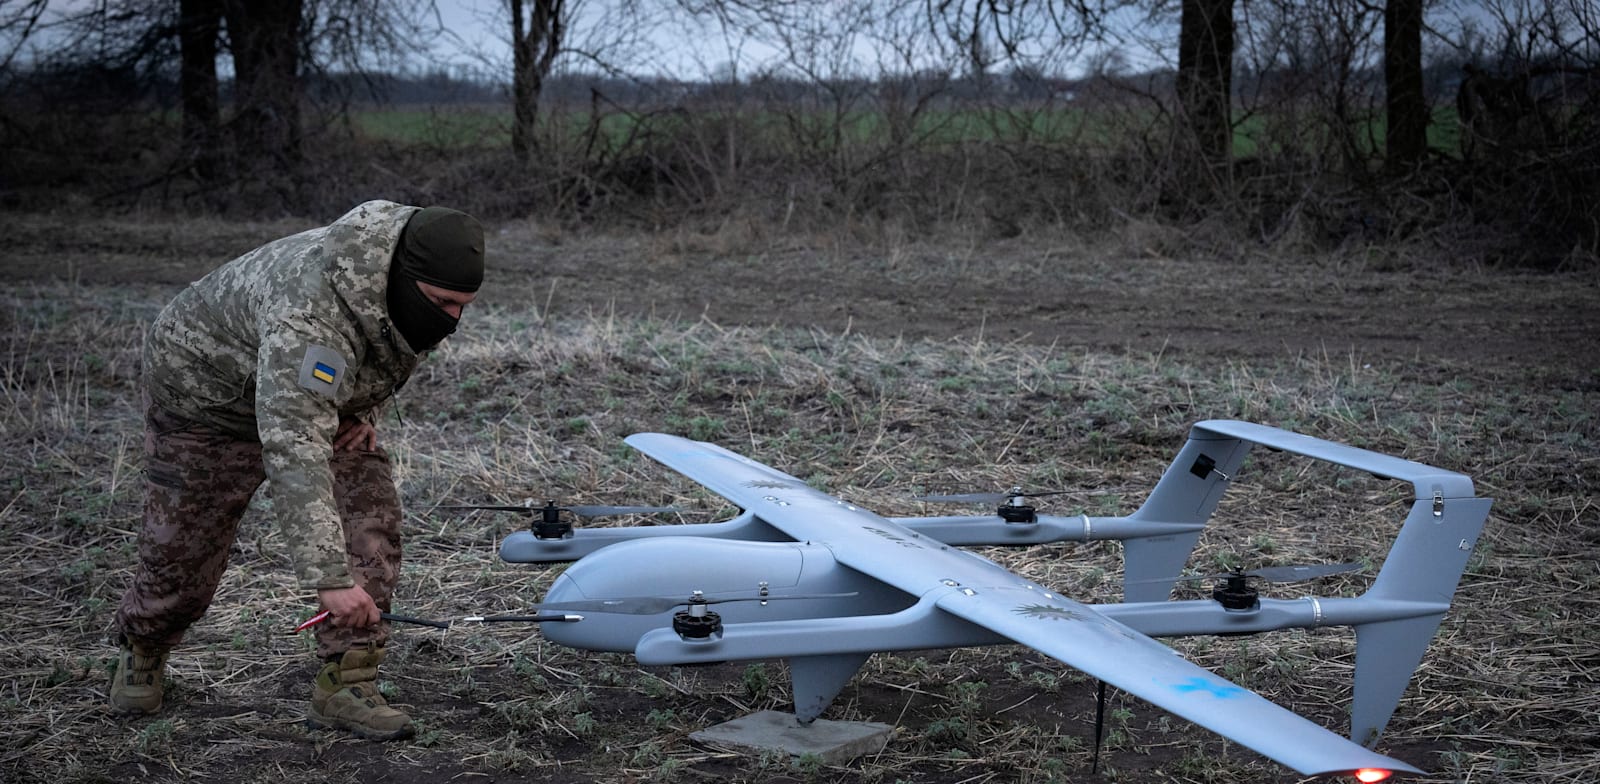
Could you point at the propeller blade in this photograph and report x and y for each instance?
(965, 498)
(602, 511)
(482, 619)
(527, 510)
(1292, 574)
(324, 615)
(1182, 578)
(1271, 574)
(581, 511)
(651, 605)
(984, 498)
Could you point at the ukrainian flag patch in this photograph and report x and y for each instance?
(322, 370)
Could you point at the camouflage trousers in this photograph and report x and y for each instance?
(198, 483)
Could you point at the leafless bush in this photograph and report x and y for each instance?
(1528, 103)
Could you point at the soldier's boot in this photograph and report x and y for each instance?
(346, 697)
(136, 686)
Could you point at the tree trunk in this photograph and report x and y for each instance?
(1205, 77)
(199, 22)
(267, 90)
(1406, 135)
(536, 39)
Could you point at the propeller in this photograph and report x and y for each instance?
(1270, 574)
(1296, 573)
(1012, 506)
(579, 510)
(1236, 594)
(987, 498)
(651, 605)
(326, 614)
(548, 524)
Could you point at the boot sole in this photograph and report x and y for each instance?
(126, 710)
(327, 722)
(123, 704)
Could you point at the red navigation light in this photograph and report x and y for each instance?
(1371, 775)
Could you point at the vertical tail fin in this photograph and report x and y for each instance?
(1424, 567)
(1187, 493)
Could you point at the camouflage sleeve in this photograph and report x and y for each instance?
(371, 415)
(301, 367)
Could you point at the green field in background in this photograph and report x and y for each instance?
(478, 126)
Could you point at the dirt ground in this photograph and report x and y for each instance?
(1100, 299)
(1123, 294)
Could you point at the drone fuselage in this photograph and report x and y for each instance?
(876, 618)
(672, 566)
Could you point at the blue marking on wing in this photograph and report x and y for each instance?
(1222, 691)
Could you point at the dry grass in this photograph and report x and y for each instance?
(521, 407)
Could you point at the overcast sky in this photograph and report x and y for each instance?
(477, 33)
(657, 37)
(668, 41)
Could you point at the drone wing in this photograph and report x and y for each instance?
(984, 593)
(1077, 635)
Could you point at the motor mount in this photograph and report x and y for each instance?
(1016, 510)
(548, 523)
(1018, 515)
(1236, 594)
(697, 623)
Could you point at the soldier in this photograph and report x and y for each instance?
(273, 367)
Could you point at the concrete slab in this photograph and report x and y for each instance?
(835, 742)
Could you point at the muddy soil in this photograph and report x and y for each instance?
(1120, 295)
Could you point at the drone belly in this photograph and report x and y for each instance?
(679, 566)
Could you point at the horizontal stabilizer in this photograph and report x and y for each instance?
(1429, 481)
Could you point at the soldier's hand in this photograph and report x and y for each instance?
(350, 607)
(355, 436)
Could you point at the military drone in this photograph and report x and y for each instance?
(823, 583)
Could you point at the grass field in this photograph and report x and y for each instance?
(529, 403)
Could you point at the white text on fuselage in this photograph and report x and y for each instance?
(899, 540)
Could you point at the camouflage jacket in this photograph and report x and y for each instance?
(279, 344)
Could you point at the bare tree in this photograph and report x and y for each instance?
(1528, 103)
(273, 47)
(1406, 134)
(266, 40)
(199, 23)
(1205, 77)
(18, 22)
(537, 34)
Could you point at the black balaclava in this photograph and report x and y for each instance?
(442, 247)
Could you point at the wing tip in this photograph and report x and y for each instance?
(1371, 774)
